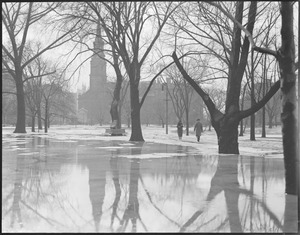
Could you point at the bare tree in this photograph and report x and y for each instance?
(226, 124)
(273, 106)
(124, 23)
(52, 91)
(175, 95)
(30, 91)
(290, 134)
(19, 18)
(181, 95)
(285, 56)
(33, 75)
(227, 136)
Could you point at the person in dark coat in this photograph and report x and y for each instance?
(198, 128)
(179, 129)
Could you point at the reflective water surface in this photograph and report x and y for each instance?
(51, 185)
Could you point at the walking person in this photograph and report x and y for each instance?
(179, 129)
(198, 128)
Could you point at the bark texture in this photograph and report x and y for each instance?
(136, 133)
(21, 116)
(288, 90)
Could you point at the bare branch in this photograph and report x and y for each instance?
(257, 106)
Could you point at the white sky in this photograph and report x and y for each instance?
(82, 76)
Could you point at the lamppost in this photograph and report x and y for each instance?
(165, 84)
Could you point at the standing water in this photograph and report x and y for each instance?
(51, 185)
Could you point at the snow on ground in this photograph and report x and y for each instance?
(271, 145)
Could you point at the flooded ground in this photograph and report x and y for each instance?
(51, 185)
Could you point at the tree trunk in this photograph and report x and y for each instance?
(187, 121)
(21, 113)
(128, 122)
(252, 118)
(228, 137)
(46, 116)
(263, 124)
(270, 121)
(136, 130)
(288, 91)
(39, 115)
(120, 114)
(263, 130)
(245, 126)
(242, 108)
(241, 128)
(33, 123)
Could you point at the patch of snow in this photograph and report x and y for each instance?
(29, 153)
(110, 147)
(152, 155)
(208, 144)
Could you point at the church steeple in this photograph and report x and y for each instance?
(99, 43)
(98, 64)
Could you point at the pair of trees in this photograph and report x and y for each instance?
(20, 20)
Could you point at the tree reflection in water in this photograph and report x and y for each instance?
(169, 190)
(115, 177)
(225, 180)
(132, 210)
(24, 183)
(28, 189)
(17, 191)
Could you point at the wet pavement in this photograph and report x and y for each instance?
(51, 185)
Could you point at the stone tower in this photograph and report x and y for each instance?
(98, 76)
(95, 102)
